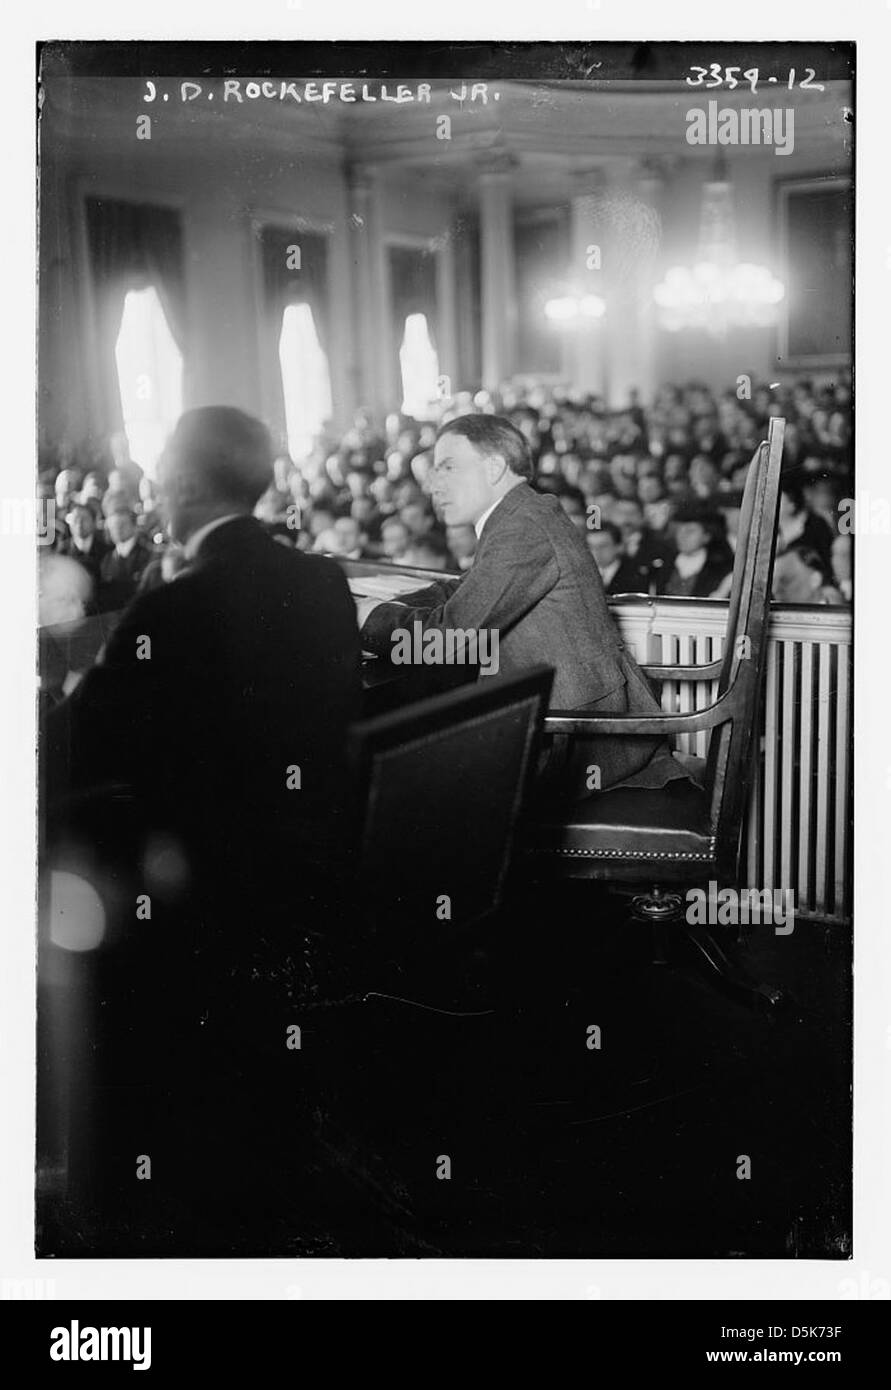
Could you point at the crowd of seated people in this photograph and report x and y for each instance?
(656, 492)
(107, 521)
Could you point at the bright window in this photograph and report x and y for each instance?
(306, 380)
(150, 376)
(420, 369)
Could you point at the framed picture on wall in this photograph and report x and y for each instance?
(814, 216)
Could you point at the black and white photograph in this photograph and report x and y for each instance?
(446, 501)
(446, 773)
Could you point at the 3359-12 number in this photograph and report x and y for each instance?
(717, 76)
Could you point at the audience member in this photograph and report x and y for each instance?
(843, 565)
(619, 574)
(462, 543)
(395, 540)
(429, 552)
(800, 576)
(122, 567)
(652, 553)
(798, 526)
(704, 558)
(363, 493)
(84, 543)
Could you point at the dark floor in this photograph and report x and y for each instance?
(556, 1149)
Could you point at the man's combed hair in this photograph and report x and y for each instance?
(491, 435)
(230, 450)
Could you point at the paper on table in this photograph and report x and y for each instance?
(382, 586)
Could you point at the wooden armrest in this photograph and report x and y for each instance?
(637, 725)
(707, 671)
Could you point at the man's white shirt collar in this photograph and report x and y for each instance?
(125, 547)
(609, 572)
(480, 523)
(190, 549)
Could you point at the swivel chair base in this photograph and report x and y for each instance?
(663, 911)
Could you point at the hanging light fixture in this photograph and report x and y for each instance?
(568, 308)
(719, 291)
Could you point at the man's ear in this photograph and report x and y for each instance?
(496, 468)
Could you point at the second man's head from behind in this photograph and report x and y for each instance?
(477, 460)
(218, 462)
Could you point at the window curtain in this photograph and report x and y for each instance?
(413, 288)
(308, 285)
(283, 286)
(132, 246)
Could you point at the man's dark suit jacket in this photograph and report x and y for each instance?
(629, 578)
(254, 669)
(535, 581)
(119, 575)
(90, 561)
(654, 555)
(254, 673)
(704, 583)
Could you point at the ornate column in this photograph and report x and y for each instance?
(497, 274)
(585, 339)
(375, 385)
(619, 218)
(649, 184)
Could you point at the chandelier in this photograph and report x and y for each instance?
(569, 308)
(719, 291)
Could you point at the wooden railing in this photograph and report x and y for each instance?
(800, 810)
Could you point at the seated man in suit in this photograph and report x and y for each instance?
(84, 543)
(222, 704)
(535, 583)
(619, 574)
(122, 566)
(650, 551)
(703, 565)
(223, 699)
